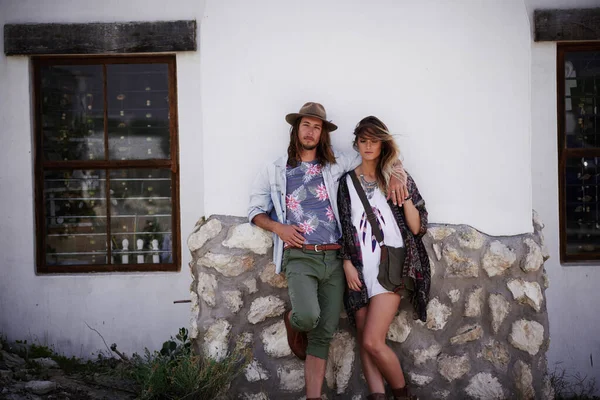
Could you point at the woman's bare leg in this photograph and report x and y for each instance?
(381, 312)
(370, 370)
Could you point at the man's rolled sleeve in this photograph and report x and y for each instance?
(260, 196)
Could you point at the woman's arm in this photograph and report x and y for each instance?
(412, 217)
(345, 212)
(347, 240)
(415, 212)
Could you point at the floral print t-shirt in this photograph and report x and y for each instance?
(308, 204)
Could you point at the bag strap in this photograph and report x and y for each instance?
(369, 210)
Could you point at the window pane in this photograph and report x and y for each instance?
(582, 83)
(72, 112)
(138, 111)
(75, 206)
(582, 206)
(141, 216)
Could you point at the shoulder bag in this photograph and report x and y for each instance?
(391, 261)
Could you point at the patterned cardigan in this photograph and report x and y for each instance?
(416, 264)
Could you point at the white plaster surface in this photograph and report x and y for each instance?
(228, 85)
(573, 289)
(116, 304)
(482, 48)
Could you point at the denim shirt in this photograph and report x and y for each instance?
(269, 190)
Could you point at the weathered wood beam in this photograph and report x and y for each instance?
(562, 25)
(100, 38)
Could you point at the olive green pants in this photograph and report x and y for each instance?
(316, 283)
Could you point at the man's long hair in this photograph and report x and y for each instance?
(324, 152)
(373, 128)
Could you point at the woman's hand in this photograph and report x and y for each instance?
(397, 190)
(352, 276)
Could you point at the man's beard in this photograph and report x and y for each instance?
(309, 147)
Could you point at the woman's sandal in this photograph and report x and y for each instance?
(376, 396)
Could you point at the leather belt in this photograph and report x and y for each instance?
(321, 247)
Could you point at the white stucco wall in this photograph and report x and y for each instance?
(573, 295)
(133, 310)
(452, 78)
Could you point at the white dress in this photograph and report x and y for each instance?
(368, 244)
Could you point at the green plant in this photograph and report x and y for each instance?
(572, 386)
(175, 372)
(38, 351)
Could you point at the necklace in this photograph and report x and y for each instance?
(369, 187)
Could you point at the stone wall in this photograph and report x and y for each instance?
(485, 338)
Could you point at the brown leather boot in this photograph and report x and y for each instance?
(376, 396)
(296, 339)
(403, 394)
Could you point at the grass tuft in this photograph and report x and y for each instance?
(572, 386)
(175, 372)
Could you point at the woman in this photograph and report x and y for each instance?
(369, 305)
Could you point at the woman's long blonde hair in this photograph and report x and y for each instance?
(373, 128)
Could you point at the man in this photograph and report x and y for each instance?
(300, 191)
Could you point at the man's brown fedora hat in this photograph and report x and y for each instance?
(314, 110)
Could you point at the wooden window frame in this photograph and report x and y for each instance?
(108, 165)
(564, 152)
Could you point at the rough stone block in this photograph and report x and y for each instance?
(274, 339)
(473, 303)
(421, 356)
(459, 265)
(534, 259)
(499, 307)
(340, 361)
(527, 336)
(484, 386)
(207, 286)
(269, 276)
(11, 360)
(437, 315)
(526, 293)
(454, 295)
(40, 387)
(469, 238)
(265, 307)
(251, 285)
(399, 328)
(45, 362)
(233, 300)
(246, 236)
(216, 340)
(467, 333)
(437, 249)
(206, 232)
(453, 367)
(291, 376)
(496, 353)
(255, 372)
(440, 232)
(498, 258)
(419, 380)
(523, 381)
(226, 264)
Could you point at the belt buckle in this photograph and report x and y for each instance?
(316, 249)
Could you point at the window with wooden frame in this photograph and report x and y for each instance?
(578, 75)
(106, 164)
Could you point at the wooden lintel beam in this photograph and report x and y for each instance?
(567, 25)
(100, 38)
